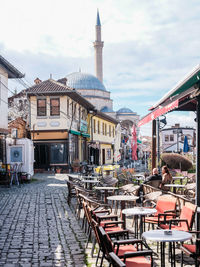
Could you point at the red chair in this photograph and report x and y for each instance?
(115, 234)
(131, 250)
(191, 250)
(165, 204)
(184, 222)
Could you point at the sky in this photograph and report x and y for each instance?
(148, 45)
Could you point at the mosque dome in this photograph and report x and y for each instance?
(106, 109)
(124, 110)
(80, 80)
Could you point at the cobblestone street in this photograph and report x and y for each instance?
(37, 227)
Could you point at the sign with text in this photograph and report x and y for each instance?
(83, 126)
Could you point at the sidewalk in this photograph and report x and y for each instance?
(37, 227)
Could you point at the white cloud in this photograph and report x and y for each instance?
(148, 45)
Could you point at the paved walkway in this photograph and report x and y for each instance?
(37, 227)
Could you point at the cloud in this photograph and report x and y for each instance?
(148, 45)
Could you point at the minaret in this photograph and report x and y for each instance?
(98, 46)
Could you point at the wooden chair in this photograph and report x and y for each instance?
(115, 260)
(165, 204)
(131, 250)
(185, 220)
(191, 249)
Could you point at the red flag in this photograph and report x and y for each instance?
(134, 143)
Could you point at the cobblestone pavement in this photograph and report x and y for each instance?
(37, 227)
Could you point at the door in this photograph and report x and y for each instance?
(42, 156)
(103, 156)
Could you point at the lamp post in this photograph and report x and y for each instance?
(177, 132)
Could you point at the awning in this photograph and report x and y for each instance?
(158, 112)
(75, 132)
(139, 141)
(85, 135)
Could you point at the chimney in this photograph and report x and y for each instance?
(37, 81)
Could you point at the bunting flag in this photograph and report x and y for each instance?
(134, 143)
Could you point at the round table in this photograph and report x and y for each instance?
(162, 237)
(181, 178)
(123, 199)
(106, 189)
(175, 187)
(142, 212)
(90, 182)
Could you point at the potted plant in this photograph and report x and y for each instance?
(58, 170)
(76, 165)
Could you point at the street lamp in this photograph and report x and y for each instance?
(177, 132)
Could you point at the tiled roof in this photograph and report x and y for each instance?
(48, 86)
(52, 87)
(12, 71)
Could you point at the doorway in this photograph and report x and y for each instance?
(103, 156)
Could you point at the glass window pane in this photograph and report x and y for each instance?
(58, 153)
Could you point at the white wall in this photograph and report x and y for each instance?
(3, 99)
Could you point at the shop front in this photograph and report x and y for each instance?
(106, 154)
(51, 150)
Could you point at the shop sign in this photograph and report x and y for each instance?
(83, 126)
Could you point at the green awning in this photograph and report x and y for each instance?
(188, 84)
(75, 132)
(139, 142)
(85, 135)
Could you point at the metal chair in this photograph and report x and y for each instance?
(14, 174)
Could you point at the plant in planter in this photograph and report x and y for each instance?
(58, 170)
(76, 165)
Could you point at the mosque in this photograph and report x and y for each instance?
(93, 89)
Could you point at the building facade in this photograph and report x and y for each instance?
(172, 139)
(58, 125)
(102, 137)
(7, 71)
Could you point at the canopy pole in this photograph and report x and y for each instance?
(153, 149)
(198, 163)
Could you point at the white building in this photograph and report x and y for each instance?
(7, 71)
(172, 139)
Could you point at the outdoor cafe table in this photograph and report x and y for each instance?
(181, 178)
(90, 183)
(123, 199)
(136, 212)
(106, 189)
(138, 178)
(175, 187)
(162, 237)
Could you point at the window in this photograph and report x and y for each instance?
(171, 137)
(58, 153)
(110, 130)
(105, 129)
(94, 126)
(67, 106)
(108, 154)
(113, 131)
(55, 107)
(98, 127)
(41, 107)
(72, 110)
(166, 138)
(75, 112)
(103, 132)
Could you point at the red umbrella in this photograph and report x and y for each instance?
(134, 143)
